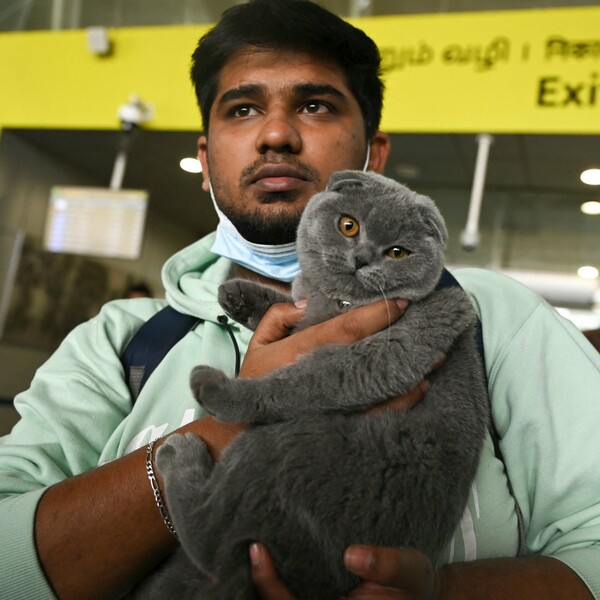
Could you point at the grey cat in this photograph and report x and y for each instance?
(316, 473)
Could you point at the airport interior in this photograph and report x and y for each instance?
(494, 114)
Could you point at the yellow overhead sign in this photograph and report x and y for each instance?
(526, 71)
(535, 71)
(50, 79)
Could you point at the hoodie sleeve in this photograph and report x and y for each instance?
(544, 382)
(75, 402)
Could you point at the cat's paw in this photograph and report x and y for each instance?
(178, 448)
(183, 456)
(185, 466)
(247, 301)
(237, 303)
(210, 388)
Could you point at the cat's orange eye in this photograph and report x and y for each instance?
(397, 252)
(349, 226)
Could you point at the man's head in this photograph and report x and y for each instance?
(290, 25)
(289, 94)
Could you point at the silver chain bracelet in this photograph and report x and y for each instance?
(156, 490)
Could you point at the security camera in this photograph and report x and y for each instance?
(134, 113)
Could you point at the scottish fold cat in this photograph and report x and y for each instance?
(316, 472)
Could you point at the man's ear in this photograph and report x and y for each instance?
(202, 157)
(381, 147)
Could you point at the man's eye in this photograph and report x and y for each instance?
(243, 111)
(315, 107)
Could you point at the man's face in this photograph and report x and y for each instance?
(280, 125)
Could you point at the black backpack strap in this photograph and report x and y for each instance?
(448, 280)
(151, 344)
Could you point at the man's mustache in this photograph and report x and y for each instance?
(303, 170)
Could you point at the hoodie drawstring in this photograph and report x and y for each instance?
(238, 359)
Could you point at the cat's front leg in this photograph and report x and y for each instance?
(289, 392)
(247, 301)
(211, 388)
(333, 378)
(241, 399)
(185, 465)
(343, 378)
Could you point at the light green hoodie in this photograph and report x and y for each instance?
(543, 375)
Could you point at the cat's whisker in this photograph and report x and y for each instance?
(384, 296)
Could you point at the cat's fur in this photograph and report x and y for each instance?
(316, 474)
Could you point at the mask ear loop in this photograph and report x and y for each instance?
(222, 217)
(366, 165)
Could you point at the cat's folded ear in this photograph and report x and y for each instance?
(433, 219)
(343, 180)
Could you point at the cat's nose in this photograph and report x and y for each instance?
(361, 259)
(360, 262)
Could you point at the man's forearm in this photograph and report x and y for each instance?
(97, 534)
(512, 579)
(100, 533)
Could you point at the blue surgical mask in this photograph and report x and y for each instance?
(277, 261)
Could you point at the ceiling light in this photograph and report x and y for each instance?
(587, 272)
(407, 171)
(590, 208)
(191, 165)
(591, 176)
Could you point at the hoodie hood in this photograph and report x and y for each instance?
(192, 277)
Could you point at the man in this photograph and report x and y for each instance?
(289, 93)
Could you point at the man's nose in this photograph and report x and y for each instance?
(278, 133)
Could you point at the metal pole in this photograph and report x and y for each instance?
(360, 8)
(11, 276)
(116, 181)
(56, 18)
(470, 236)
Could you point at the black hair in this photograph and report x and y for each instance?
(138, 289)
(298, 25)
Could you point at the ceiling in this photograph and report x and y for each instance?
(74, 14)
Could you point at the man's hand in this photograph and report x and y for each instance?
(411, 398)
(389, 574)
(272, 347)
(405, 573)
(408, 400)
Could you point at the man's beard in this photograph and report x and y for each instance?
(276, 228)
